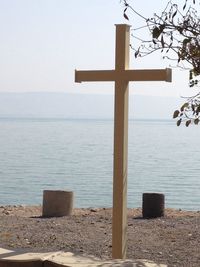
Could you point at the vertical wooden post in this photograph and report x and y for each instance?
(119, 236)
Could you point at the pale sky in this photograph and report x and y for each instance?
(43, 41)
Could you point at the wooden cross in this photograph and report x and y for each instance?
(121, 75)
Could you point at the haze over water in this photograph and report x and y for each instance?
(38, 154)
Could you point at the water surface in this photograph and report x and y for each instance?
(38, 154)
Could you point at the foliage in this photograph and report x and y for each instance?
(176, 34)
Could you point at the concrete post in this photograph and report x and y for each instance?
(153, 205)
(57, 203)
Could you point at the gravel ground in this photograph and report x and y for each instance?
(173, 239)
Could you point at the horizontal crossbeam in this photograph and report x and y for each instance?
(94, 75)
(125, 75)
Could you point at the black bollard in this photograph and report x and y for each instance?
(153, 205)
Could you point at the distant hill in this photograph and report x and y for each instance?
(63, 105)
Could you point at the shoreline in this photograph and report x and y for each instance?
(173, 239)
(39, 205)
(23, 210)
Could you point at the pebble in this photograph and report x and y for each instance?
(6, 212)
(93, 210)
(27, 241)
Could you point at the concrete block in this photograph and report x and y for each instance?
(57, 203)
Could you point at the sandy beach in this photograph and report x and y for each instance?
(173, 239)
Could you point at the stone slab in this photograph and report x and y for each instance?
(20, 258)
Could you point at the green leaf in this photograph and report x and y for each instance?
(186, 40)
(176, 113)
(125, 16)
(137, 53)
(185, 105)
(198, 109)
(187, 123)
(179, 122)
(174, 14)
(162, 27)
(196, 121)
(193, 107)
(162, 41)
(156, 32)
(191, 75)
(180, 29)
(191, 84)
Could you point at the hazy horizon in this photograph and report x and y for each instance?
(73, 105)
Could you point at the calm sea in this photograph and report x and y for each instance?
(38, 154)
